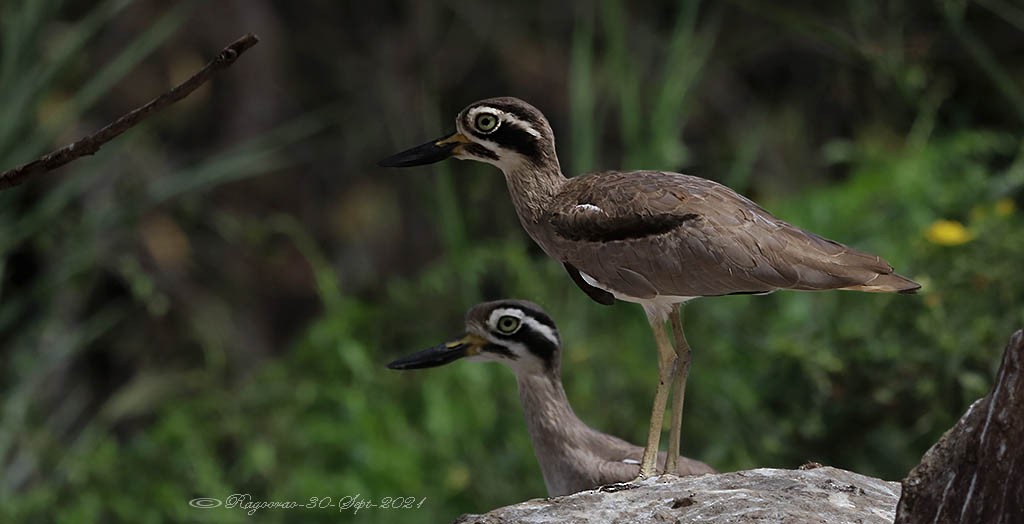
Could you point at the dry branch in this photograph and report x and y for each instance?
(92, 143)
(975, 472)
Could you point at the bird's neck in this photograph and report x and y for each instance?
(553, 426)
(532, 188)
(545, 405)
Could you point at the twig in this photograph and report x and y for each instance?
(92, 143)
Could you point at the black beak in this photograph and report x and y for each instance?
(433, 151)
(439, 355)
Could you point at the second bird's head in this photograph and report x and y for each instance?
(516, 333)
(506, 132)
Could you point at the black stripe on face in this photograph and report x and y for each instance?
(511, 136)
(480, 151)
(535, 343)
(508, 135)
(539, 345)
(501, 350)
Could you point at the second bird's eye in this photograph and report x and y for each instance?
(486, 122)
(508, 324)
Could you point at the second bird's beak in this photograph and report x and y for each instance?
(433, 151)
(466, 346)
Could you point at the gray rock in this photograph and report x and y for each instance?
(820, 495)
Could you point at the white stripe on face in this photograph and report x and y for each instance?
(532, 323)
(504, 117)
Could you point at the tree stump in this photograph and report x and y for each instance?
(975, 472)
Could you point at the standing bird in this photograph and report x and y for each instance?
(654, 238)
(572, 456)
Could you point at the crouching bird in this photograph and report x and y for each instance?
(572, 455)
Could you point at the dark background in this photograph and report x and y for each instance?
(205, 307)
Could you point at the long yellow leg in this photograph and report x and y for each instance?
(678, 388)
(666, 364)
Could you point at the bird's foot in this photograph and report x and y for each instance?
(638, 482)
(622, 486)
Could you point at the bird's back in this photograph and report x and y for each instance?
(597, 459)
(650, 233)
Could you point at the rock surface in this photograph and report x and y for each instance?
(820, 495)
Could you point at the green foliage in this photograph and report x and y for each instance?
(61, 245)
(861, 381)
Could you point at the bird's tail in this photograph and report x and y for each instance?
(888, 283)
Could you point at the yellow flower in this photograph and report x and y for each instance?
(1004, 206)
(457, 477)
(948, 233)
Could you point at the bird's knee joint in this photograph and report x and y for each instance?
(668, 367)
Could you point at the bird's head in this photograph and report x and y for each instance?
(506, 132)
(516, 333)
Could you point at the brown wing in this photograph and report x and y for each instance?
(608, 456)
(597, 295)
(653, 233)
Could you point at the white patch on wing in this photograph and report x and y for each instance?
(593, 282)
(631, 461)
(657, 308)
(589, 208)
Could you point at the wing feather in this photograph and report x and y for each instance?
(674, 234)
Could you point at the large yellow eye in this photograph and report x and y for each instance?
(486, 122)
(508, 324)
